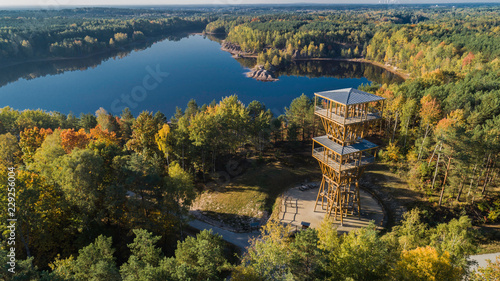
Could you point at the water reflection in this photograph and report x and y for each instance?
(335, 69)
(39, 68)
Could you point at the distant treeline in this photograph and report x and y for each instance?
(415, 40)
(81, 31)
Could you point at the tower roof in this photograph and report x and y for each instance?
(349, 96)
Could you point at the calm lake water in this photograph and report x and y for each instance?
(167, 74)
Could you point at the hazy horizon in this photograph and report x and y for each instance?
(86, 3)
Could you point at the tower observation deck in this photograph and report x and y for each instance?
(347, 115)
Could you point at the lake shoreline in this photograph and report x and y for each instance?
(100, 52)
(236, 54)
(240, 54)
(197, 66)
(389, 68)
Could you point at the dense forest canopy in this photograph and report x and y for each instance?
(104, 197)
(79, 32)
(414, 40)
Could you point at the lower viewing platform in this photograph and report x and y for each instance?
(343, 157)
(320, 155)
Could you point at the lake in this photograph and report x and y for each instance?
(162, 75)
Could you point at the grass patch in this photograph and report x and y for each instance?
(488, 248)
(489, 238)
(250, 196)
(394, 185)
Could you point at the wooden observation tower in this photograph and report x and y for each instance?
(346, 115)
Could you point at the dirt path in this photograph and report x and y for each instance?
(240, 240)
(481, 259)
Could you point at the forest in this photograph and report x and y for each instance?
(441, 121)
(414, 40)
(104, 197)
(85, 31)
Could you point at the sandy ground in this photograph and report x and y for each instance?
(299, 207)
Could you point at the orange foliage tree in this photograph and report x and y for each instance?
(468, 59)
(429, 114)
(71, 139)
(104, 136)
(445, 125)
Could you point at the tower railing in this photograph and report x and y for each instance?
(330, 115)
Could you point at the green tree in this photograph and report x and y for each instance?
(80, 176)
(106, 120)
(87, 121)
(50, 150)
(25, 270)
(362, 256)
(141, 177)
(204, 134)
(126, 123)
(180, 188)
(457, 238)
(94, 262)
(407, 115)
(192, 108)
(8, 117)
(143, 135)
(412, 232)
(301, 114)
(276, 61)
(306, 256)
(231, 118)
(267, 257)
(259, 125)
(267, 65)
(160, 119)
(181, 139)
(201, 258)
(10, 152)
(144, 259)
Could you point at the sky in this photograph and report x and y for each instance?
(56, 3)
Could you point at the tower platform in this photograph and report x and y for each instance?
(298, 207)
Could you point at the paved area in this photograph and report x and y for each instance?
(238, 239)
(481, 259)
(299, 207)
